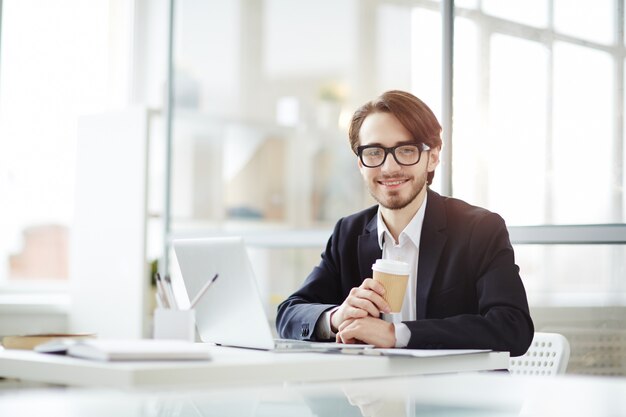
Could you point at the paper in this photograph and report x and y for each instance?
(136, 350)
(421, 353)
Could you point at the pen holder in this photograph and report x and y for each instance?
(175, 324)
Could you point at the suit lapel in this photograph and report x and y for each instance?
(432, 242)
(368, 249)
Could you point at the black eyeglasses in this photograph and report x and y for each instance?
(373, 156)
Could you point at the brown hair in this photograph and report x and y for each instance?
(410, 111)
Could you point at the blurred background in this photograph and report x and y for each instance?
(98, 174)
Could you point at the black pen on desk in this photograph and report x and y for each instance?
(202, 291)
(169, 289)
(159, 300)
(161, 295)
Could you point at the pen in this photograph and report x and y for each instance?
(159, 301)
(170, 293)
(202, 291)
(161, 295)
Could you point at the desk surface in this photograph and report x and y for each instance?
(232, 366)
(469, 394)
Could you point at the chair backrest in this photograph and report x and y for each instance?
(548, 354)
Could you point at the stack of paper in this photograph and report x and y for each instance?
(131, 350)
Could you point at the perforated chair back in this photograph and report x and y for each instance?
(548, 354)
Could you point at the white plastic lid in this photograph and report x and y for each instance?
(389, 266)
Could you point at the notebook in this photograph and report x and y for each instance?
(126, 350)
(231, 313)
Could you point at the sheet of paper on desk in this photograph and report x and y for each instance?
(424, 353)
(137, 350)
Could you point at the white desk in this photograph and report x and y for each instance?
(231, 367)
(492, 394)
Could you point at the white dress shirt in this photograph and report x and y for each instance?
(405, 250)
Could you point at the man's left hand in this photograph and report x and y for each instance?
(369, 330)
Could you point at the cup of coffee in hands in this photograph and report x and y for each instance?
(394, 276)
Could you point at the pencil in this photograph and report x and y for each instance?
(202, 291)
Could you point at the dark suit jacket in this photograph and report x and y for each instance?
(469, 292)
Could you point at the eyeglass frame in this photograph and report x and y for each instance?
(421, 147)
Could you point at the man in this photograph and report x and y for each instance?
(464, 287)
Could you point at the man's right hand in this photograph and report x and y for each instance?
(362, 301)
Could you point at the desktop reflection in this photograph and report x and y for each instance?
(484, 394)
(377, 399)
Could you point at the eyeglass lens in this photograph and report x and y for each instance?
(404, 155)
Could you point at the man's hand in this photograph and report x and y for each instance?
(362, 301)
(369, 330)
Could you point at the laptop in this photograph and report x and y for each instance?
(231, 312)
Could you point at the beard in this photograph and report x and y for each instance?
(394, 200)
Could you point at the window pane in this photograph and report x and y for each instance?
(583, 135)
(592, 21)
(48, 77)
(394, 25)
(530, 12)
(466, 4)
(426, 58)
(622, 157)
(468, 160)
(561, 275)
(496, 141)
(263, 103)
(307, 49)
(516, 138)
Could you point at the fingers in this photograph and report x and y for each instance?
(365, 300)
(368, 330)
(347, 340)
(346, 312)
(340, 338)
(344, 325)
(348, 337)
(362, 301)
(374, 292)
(352, 312)
(375, 286)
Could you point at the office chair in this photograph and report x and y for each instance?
(548, 354)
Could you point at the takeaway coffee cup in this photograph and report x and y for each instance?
(394, 275)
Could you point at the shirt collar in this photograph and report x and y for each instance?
(412, 231)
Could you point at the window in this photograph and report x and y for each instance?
(58, 60)
(536, 103)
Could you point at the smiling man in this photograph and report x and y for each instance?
(464, 289)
